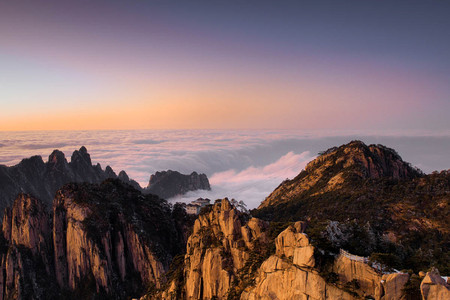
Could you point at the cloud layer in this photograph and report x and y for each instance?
(245, 165)
(253, 184)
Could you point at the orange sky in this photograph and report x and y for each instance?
(143, 65)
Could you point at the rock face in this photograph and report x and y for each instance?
(434, 287)
(370, 283)
(109, 239)
(25, 255)
(224, 243)
(42, 180)
(290, 273)
(219, 255)
(217, 249)
(167, 184)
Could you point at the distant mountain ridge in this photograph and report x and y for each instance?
(42, 179)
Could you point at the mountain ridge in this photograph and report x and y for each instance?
(42, 179)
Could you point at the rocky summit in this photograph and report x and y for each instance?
(341, 167)
(168, 184)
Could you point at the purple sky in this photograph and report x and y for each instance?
(307, 65)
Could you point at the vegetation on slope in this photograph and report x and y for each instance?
(403, 219)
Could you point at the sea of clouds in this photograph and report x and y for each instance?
(244, 165)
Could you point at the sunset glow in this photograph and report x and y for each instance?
(151, 65)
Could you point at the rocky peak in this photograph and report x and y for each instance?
(42, 180)
(167, 184)
(109, 172)
(343, 166)
(32, 162)
(373, 161)
(57, 161)
(81, 157)
(123, 176)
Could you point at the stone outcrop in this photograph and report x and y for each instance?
(217, 249)
(368, 279)
(168, 184)
(294, 245)
(222, 244)
(370, 282)
(289, 274)
(107, 237)
(434, 287)
(42, 180)
(392, 286)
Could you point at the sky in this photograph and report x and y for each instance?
(380, 66)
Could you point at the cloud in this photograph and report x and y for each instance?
(245, 165)
(148, 142)
(253, 184)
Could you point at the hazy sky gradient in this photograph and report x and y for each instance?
(366, 65)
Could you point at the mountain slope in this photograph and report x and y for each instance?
(340, 168)
(367, 200)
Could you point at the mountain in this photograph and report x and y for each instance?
(367, 200)
(168, 184)
(341, 168)
(232, 255)
(42, 180)
(342, 229)
(99, 240)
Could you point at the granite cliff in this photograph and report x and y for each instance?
(98, 241)
(231, 255)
